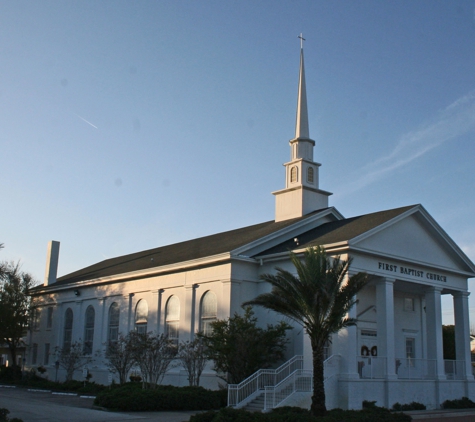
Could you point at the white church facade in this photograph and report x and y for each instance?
(394, 354)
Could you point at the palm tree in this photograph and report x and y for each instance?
(319, 298)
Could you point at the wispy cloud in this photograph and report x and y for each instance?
(89, 123)
(455, 120)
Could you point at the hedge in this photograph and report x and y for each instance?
(463, 403)
(296, 414)
(131, 397)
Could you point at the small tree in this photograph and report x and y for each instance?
(72, 358)
(153, 353)
(14, 305)
(192, 355)
(120, 357)
(239, 347)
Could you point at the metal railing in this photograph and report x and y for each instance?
(372, 367)
(414, 369)
(454, 369)
(240, 394)
(408, 368)
(279, 384)
(298, 381)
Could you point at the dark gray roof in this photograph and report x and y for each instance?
(338, 231)
(328, 233)
(178, 252)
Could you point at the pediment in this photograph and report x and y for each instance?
(289, 233)
(415, 237)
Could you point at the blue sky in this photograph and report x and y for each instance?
(127, 125)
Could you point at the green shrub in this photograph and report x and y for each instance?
(10, 374)
(411, 406)
(4, 416)
(463, 403)
(127, 398)
(295, 414)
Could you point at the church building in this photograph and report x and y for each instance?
(394, 354)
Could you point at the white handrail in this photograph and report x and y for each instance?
(298, 381)
(239, 394)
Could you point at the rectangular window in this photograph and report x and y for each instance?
(409, 304)
(49, 318)
(410, 350)
(46, 356)
(172, 331)
(35, 319)
(113, 334)
(88, 340)
(34, 354)
(141, 328)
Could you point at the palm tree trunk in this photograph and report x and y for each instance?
(318, 407)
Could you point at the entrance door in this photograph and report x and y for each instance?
(368, 364)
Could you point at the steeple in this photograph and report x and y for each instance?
(301, 124)
(301, 195)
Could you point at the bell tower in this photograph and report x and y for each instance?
(301, 194)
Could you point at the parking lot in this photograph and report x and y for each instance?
(37, 406)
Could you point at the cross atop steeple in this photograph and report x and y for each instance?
(302, 39)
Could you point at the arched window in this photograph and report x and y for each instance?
(172, 318)
(141, 316)
(68, 329)
(114, 313)
(293, 174)
(310, 175)
(208, 312)
(89, 330)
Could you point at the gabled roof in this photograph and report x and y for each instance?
(338, 231)
(243, 241)
(179, 252)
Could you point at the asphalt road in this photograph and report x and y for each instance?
(34, 406)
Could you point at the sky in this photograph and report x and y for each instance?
(128, 125)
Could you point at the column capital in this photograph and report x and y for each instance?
(434, 289)
(158, 292)
(385, 280)
(461, 294)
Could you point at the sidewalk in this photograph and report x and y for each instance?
(456, 415)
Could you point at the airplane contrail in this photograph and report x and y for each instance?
(89, 123)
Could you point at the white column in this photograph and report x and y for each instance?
(347, 344)
(78, 323)
(101, 322)
(385, 324)
(190, 309)
(130, 314)
(59, 321)
(462, 332)
(435, 349)
(159, 294)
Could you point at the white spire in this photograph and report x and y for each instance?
(301, 194)
(301, 125)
